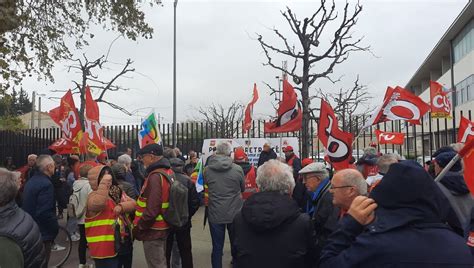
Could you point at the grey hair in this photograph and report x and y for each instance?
(357, 180)
(124, 159)
(8, 185)
(32, 156)
(275, 176)
(224, 148)
(384, 162)
(169, 153)
(43, 161)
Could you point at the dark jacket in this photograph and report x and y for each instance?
(455, 189)
(21, 228)
(270, 231)
(189, 168)
(325, 217)
(38, 201)
(226, 183)
(153, 193)
(265, 156)
(193, 196)
(296, 165)
(408, 230)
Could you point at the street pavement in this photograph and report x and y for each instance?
(202, 247)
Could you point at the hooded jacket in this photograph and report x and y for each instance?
(83, 188)
(20, 227)
(97, 200)
(455, 189)
(408, 230)
(225, 182)
(270, 231)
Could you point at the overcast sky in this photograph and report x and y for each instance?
(218, 58)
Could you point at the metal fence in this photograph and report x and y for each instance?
(421, 140)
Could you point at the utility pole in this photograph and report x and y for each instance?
(39, 112)
(174, 77)
(33, 110)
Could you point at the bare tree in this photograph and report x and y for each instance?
(224, 120)
(314, 59)
(347, 103)
(88, 69)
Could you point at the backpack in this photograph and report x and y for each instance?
(73, 205)
(177, 214)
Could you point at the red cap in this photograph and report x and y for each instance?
(287, 149)
(102, 157)
(306, 161)
(239, 154)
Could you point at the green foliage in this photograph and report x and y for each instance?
(15, 104)
(12, 123)
(33, 33)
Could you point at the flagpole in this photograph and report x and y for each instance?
(447, 167)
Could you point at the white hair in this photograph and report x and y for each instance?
(124, 159)
(275, 176)
(357, 180)
(224, 148)
(32, 156)
(384, 162)
(43, 161)
(8, 185)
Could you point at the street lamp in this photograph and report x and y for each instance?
(174, 76)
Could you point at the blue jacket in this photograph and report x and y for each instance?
(39, 202)
(408, 230)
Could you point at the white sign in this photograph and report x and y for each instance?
(253, 146)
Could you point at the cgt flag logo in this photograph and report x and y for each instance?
(440, 103)
(466, 130)
(399, 104)
(337, 142)
(389, 137)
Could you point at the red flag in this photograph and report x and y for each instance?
(467, 153)
(67, 117)
(289, 112)
(440, 104)
(93, 140)
(249, 110)
(399, 104)
(389, 137)
(466, 130)
(337, 143)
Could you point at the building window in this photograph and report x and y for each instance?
(465, 90)
(463, 44)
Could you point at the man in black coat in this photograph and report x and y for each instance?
(270, 230)
(39, 202)
(17, 225)
(266, 154)
(183, 234)
(399, 226)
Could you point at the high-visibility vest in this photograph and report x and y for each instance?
(160, 223)
(250, 183)
(100, 233)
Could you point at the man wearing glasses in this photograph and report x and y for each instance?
(346, 185)
(325, 216)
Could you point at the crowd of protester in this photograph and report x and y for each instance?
(281, 212)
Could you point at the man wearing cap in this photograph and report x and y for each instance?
(150, 226)
(241, 159)
(454, 188)
(324, 215)
(292, 160)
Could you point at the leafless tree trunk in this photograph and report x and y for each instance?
(223, 118)
(315, 60)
